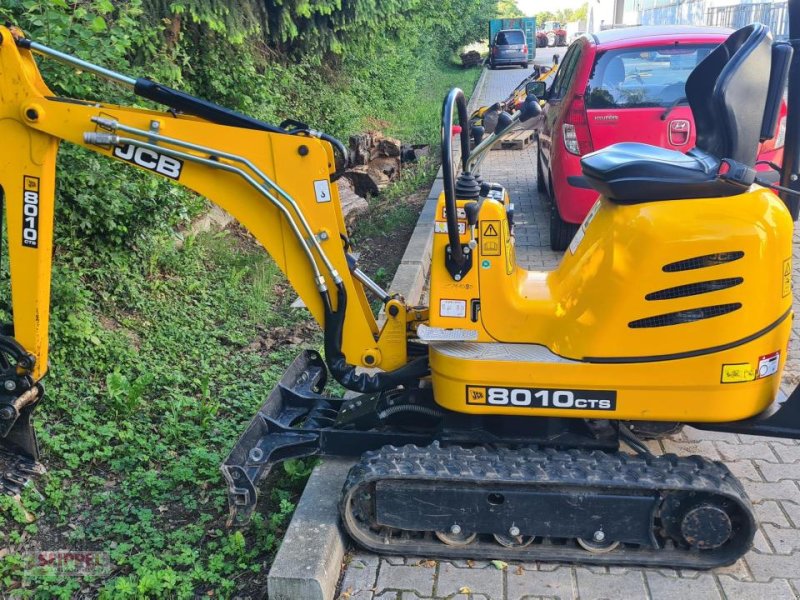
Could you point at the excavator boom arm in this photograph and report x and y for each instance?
(275, 182)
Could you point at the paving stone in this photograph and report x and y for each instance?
(778, 589)
(366, 558)
(744, 469)
(760, 542)
(358, 582)
(593, 586)
(703, 587)
(402, 577)
(703, 448)
(778, 472)
(793, 510)
(557, 583)
(781, 490)
(486, 580)
(754, 439)
(784, 540)
(787, 454)
(765, 567)
(738, 570)
(698, 435)
(735, 451)
(770, 511)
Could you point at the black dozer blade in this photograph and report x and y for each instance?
(270, 437)
(297, 420)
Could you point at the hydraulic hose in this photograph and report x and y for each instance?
(345, 373)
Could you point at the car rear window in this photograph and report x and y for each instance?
(510, 38)
(643, 77)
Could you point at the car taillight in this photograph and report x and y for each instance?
(525, 49)
(781, 137)
(494, 50)
(577, 137)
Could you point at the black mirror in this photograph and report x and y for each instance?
(536, 88)
(530, 109)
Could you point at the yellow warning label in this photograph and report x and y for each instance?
(738, 373)
(490, 247)
(491, 229)
(31, 183)
(787, 277)
(476, 395)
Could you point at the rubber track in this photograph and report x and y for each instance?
(589, 470)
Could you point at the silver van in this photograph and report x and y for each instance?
(509, 48)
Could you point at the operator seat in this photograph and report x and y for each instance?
(728, 93)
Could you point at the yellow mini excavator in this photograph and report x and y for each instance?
(489, 423)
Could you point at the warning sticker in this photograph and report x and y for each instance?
(490, 247)
(787, 277)
(441, 227)
(322, 190)
(460, 213)
(738, 373)
(453, 308)
(491, 229)
(768, 364)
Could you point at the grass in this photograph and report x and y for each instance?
(159, 360)
(419, 121)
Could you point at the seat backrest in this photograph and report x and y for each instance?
(727, 93)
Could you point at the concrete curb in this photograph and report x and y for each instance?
(309, 561)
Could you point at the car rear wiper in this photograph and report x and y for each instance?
(672, 105)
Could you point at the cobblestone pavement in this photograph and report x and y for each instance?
(769, 469)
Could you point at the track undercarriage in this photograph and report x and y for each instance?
(531, 504)
(532, 489)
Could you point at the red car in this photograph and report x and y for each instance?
(620, 85)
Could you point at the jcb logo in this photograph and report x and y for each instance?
(543, 398)
(30, 211)
(151, 160)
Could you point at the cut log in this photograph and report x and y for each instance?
(367, 180)
(471, 58)
(386, 146)
(388, 166)
(407, 153)
(352, 204)
(360, 148)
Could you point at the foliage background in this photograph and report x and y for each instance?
(154, 370)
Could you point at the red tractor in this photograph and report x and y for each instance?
(551, 34)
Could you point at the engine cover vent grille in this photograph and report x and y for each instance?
(693, 289)
(699, 262)
(685, 316)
